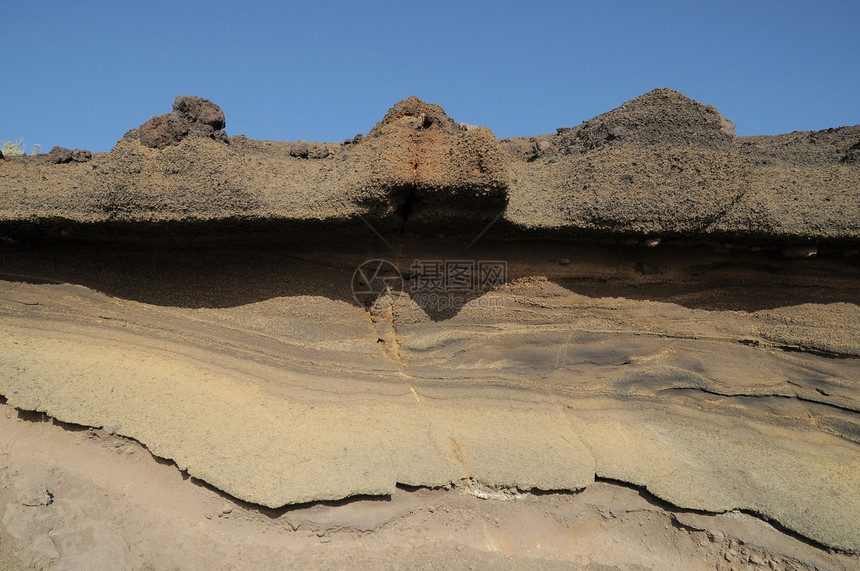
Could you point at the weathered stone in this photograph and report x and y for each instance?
(415, 114)
(191, 116)
(318, 151)
(300, 149)
(60, 155)
(164, 130)
(199, 110)
(659, 116)
(852, 156)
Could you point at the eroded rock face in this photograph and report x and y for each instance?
(659, 165)
(716, 379)
(255, 376)
(413, 113)
(659, 116)
(437, 175)
(191, 116)
(852, 156)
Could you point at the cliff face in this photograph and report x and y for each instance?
(659, 165)
(643, 298)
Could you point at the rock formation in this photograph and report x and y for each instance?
(191, 116)
(678, 307)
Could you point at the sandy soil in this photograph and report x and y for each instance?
(114, 506)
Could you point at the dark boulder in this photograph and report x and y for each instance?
(164, 130)
(191, 117)
(61, 155)
(198, 110)
(852, 156)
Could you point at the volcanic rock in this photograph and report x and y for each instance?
(164, 130)
(213, 316)
(191, 116)
(198, 110)
(60, 155)
(436, 176)
(660, 165)
(659, 116)
(852, 156)
(413, 113)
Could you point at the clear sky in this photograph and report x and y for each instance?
(80, 74)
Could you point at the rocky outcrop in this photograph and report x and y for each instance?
(60, 155)
(659, 166)
(659, 116)
(436, 176)
(852, 156)
(414, 114)
(191, 116)
(718, 377)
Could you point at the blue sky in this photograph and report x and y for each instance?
(80, 74)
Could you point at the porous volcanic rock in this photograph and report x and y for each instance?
(659, 116)
(300, 149)
(60, 155)
(198, 110)
(413, 113)
(191, 116)
(163, 130)
(437, 176)
(852, 156)
(659, 166)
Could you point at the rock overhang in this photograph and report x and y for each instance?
(658, 165)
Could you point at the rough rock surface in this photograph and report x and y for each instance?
(414, 114)
(300, 149)
(430, 174)
(660, 116)
(61, 155)
(191, 116)
(197, 297)
(659, 165)
(116, 507)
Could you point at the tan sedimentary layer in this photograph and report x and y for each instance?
(274, 404)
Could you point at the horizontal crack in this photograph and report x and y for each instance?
(669, 507)
(814, 351)
(795, 396)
